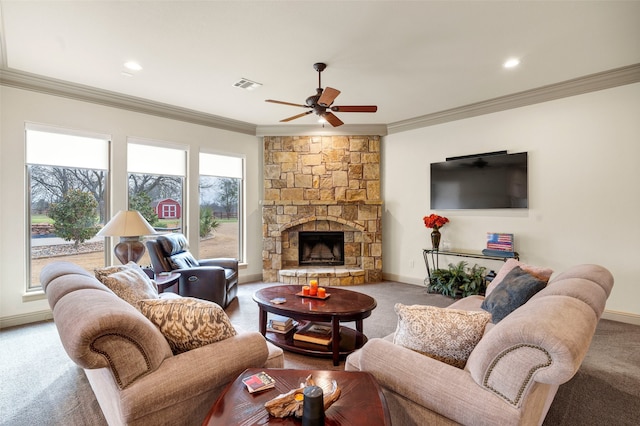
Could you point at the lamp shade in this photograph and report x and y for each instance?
(129, 223)
(129, 226)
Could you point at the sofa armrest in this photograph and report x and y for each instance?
(432, 384)
(223, 262)
(189, 374)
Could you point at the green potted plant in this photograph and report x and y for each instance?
(458, 281)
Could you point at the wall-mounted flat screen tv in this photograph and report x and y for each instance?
(484, 181)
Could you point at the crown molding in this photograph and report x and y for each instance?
(590, 83)
(318, 130)
(50, 86)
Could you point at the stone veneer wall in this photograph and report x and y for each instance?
(322, 183)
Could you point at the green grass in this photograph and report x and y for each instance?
(40, 218)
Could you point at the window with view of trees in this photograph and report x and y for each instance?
(156, 186)
(66, 196)
(221, 186)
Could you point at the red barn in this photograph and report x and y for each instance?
(168, 209)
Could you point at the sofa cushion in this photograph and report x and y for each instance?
(448, 335)
(130, 283)
(188, 323)
(541, 273)
(513, 291)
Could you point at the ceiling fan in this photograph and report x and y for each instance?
(322, 102)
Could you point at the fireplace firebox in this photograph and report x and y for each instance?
(321, 248)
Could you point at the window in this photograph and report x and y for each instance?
(66, 198)
(221, 195)
(156, 185)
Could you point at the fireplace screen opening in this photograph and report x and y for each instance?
(321, 248)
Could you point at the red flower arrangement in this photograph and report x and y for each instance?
(434, 221)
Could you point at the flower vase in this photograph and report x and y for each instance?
(435, 238)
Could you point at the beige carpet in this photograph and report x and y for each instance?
(41, 386)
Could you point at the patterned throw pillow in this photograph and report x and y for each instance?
(513, 291)
(130, 283)
(448, 335)
(188, 323)
(102, 273)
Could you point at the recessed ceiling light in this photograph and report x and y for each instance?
(511, 63)
(133, 66)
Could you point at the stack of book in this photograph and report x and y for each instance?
(314, 333)
(499, 244)
(259, 382)
(280, 324)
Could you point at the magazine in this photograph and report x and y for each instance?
(259, 382)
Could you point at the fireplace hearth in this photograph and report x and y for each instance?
(321, 248)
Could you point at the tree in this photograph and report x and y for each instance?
(51, 183)
(208, 222)
(141, 201)
(228, 195)
(75, 217)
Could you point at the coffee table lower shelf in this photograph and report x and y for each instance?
(350, 340)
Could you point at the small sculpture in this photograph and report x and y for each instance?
(291, 403)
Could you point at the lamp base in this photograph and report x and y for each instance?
(129, 249)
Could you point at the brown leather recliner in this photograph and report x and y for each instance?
(209, 279)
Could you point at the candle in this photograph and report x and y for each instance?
(322, 292)
(313, 290)
(305, 290)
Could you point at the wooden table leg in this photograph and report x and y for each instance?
(335, 323)
(263, 322)
(359, 337)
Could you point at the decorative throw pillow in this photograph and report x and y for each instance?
(513, 291)
(543, 274)
(188, 323)
(131, 284)
(102, 273)
(448, 335)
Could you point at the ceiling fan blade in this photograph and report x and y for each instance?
(286, 103)
(332, 119)
(296, 116)
(355, 108)
(328, 96)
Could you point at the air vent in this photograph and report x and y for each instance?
(246, 84)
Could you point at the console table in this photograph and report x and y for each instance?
(435, 256)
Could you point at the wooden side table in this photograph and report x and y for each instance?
(164, 280)
(361, 401)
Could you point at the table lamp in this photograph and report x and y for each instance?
(129, 225)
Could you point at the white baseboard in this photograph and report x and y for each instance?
(22, 319)
(625, 317)
(249, 278)
(401, 279)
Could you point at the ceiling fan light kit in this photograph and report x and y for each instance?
(322, 103)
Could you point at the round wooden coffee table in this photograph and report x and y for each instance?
(361, 402)
(340, 306)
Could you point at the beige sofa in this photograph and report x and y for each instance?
(135, 376)
(512, 375)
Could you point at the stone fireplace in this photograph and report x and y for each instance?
(321, 186)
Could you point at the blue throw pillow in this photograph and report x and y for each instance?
(516, 288)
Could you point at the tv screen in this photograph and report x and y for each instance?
(493, 181)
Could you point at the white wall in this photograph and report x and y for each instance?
(19, 106)
(584, 189)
